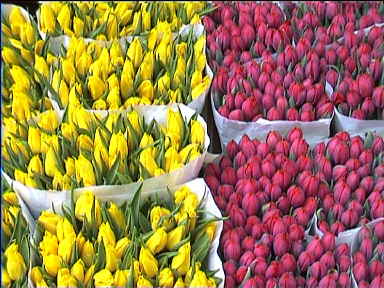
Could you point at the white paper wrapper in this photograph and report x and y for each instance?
(56, 43)
(38, 200)
(198, 187)
(314, 131)
(356, 126)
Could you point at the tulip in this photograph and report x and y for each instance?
(166, 278)
(103, 278)
(83, 207)
(84, 171)
(96, 87)
(157, 242)
(148, 262)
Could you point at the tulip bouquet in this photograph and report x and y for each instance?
(113, 20)
(157, 242)
(22, 93)
(149, 70)
(86, 149)
(368, 257)
(359, 81)
(327, 21)
(320, 263)
(14, 243)
(268, 217)
(355, 172)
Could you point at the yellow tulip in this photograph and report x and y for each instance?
(147, 66)
(201, 88)
(49, 121)
(77, 270)
(156, 213)
(39, 47)
(117, 146)
(49, 245)
(197, 133)
(48, 141)
(121, 246)
(171, 156)
(84, 142)
(179, 76)
(175, 236)
(42, 67)
(198, 47)
(27, 55)
(21, 77)
(126, 81)
(64, 17)
(143, 283)
(101, 155)
(182, 260)
(16, 20)
(181, 49)
(89, 274)
(179, 283)
(113, 98)
(188, 151)
(112, 27)
(49, 221)
(121, 278)
(157, 242)
(47, 19)
(34, 139)
(84, 171)
(9, 56)
(52, 264)
(65, 249)
(146, 159)
(134, 119)
(163, 84)
(10, 198)
(146, 20)
(16, 267)
(123, 12)
(36, 275)
(80, 240)
(117, 215)
(135, 23)
(56, 81)
(21, 106)
(51, 164)
(96, 86)
(163, 52)
(87, 253)
(113, 82)
(64, 229)
(201, 61)
(106, 235)
(148, 262)
(103, 278)
(210, 230)
(35, 166)
(83, 118)
(112, 261)
(99, 104)
(65, 279)
(166, 278)
(146, 90)
(78, 26)
(83, 207)
(135, 52)
(69, 71)
(84, 63)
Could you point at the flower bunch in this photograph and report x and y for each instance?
(86, 149)
(153, 70)
(113, 20)
(15, 242)
(23, 95)
(368, 259)
(155, 243)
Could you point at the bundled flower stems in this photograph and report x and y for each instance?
(157, 242)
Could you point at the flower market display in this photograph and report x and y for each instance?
(106, 129)
(151, 70)
(114, 20)
(141, 243)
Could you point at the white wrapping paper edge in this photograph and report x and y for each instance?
(228, 130)
(38, 200)
(199, 187)
(356, 126)
(196, 104)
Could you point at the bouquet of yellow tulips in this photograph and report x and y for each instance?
(157, 242)
(14, 242)
(86, 149)
(149, 70)
(23, 95)
(114, 20)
